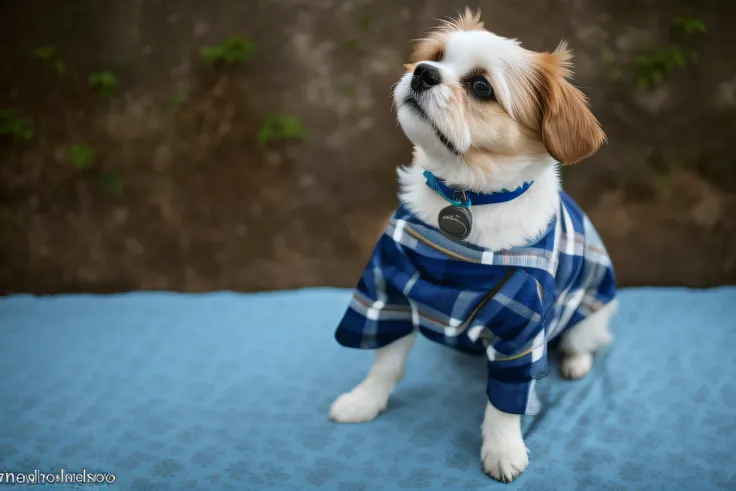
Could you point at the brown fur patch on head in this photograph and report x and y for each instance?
(492, 127)
(570, 132)
(507, 125)
(429, 48)
(548, 108)
(432, 46)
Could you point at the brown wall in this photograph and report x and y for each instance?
(205, 206)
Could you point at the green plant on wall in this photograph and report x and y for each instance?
(364, 25)
(49, 54)
(348, 89)
(365, 22)
(654, 64)
(83, 156)
(689, 26)
(111, 183)
(609, 58)
(105, 82)
(351, 44)
(177, 100)
(20, 128)
(234, 49)
(60, 66)
(279, 127)
(45, 52)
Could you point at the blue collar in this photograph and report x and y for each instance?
(462, 198)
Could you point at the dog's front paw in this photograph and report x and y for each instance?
(576, 366)
(357, 406)
(504, 462)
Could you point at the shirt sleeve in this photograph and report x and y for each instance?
(379, 312)
(512, 327)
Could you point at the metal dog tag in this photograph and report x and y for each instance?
(455, 222)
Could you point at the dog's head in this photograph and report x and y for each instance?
(476, 102)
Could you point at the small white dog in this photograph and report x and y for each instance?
(485, 254)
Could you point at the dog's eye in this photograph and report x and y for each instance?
(438, 57)
(481, 88)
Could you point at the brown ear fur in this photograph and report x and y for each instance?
(570, 132)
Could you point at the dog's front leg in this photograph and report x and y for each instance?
(370, 397)
(503, 454)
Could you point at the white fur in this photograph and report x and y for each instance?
(581, 341)
(503, 454)
(498, 226)
(495, 227)
(370, 397)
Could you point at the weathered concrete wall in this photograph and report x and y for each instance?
(203, 205)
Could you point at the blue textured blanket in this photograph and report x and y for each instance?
(229, 391)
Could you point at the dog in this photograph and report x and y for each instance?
(485, 253)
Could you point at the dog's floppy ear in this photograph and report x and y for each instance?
(570, 132)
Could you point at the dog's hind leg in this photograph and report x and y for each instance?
(370, 397)
(580, 342)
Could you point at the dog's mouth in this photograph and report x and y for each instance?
(413, 104)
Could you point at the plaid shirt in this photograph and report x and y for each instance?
(506, 304)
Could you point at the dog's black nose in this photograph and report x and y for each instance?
(425, 77)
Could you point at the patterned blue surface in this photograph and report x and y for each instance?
(227, 391)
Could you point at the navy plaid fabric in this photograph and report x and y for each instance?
(507, 305)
